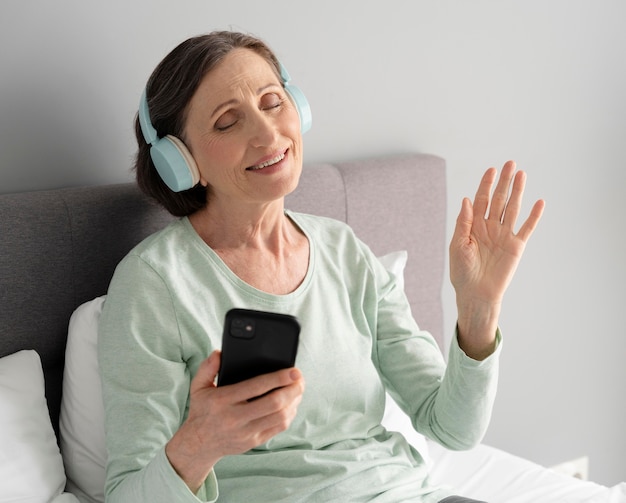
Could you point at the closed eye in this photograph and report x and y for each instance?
(271, 100)
(226, 121)
(268, 102)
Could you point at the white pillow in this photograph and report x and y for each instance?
(31, 467)
(82, 410)
(395, 262)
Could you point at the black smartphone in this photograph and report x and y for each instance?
(255, 343)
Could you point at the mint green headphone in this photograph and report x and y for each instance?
(172, 159)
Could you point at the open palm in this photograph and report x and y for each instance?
(485, 250)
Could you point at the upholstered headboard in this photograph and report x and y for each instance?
(59, 248)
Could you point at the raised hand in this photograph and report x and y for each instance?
(484, 253)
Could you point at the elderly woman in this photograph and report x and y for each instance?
(172, 434)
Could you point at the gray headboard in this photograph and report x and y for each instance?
(59, 248)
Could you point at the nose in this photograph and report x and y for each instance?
(264, 130)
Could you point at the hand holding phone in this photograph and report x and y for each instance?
(221, 421)
(255, 343)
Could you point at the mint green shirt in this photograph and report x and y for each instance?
(164, 314)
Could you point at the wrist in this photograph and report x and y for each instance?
(477, 328)
(191, 465)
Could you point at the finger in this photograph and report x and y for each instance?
(207, 371)
(514, 205)
(277, 409)
(464, 222)
(531, 222)
(260, 419)
(271, 413)
(263, 384)
(277, 399)
(483, 194)
(501, 192)
(272, 425)
(264, 429)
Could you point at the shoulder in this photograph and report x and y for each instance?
(336, 240)
(162, 242)
(162, 252)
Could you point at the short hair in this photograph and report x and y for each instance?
(169, 90)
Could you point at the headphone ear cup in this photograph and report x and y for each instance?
(174, 163)
(302, 106)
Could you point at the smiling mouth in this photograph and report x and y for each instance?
(265, 164)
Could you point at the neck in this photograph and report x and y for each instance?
(261, 227)
(261, 245)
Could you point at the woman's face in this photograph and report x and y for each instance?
(244, 132)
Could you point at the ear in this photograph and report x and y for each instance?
(172, 160)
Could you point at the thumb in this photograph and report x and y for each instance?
(205, 377)
(464, 222)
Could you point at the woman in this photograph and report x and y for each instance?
(172, 435)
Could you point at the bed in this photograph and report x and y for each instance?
(58, 250)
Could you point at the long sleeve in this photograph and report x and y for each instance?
(451, 403)
(145, 388)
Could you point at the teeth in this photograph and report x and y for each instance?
(265, 164)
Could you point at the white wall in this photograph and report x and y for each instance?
(476, 82)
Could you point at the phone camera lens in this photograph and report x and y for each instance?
(242, 328)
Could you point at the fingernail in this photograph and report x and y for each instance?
(294, 374)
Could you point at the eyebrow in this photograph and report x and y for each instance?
(228, 103)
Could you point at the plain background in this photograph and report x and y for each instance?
(476, 82)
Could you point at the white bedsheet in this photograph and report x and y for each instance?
(65, 498)
(495, 476)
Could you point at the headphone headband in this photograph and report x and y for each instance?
(298, 99)
(149, 133)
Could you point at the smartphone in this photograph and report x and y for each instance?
(255, 343)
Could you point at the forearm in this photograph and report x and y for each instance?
(158, 482)
(191, 465)
(463, 405)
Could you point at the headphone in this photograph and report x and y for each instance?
(172, 159)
